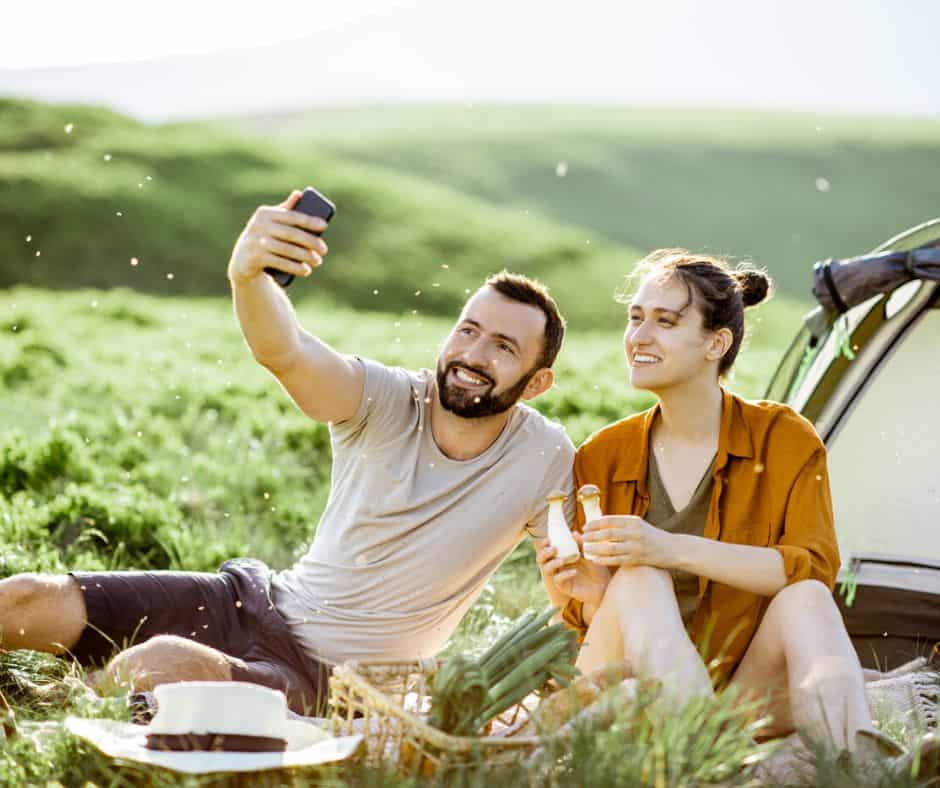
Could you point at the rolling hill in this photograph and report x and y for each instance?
(785, 189)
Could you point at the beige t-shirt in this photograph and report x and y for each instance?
(409, 537)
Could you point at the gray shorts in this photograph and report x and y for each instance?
(230, 611)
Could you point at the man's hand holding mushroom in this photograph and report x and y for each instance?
(580, 579)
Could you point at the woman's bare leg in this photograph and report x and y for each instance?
(803, 640)
(639, 620)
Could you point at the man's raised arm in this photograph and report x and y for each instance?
(326, 385)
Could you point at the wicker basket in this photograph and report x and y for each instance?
(384, 701)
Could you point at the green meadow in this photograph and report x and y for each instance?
(137, 432)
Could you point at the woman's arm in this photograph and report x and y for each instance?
(806, 550)
(620, 540)
(758, 570)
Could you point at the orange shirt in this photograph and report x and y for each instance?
(771, 490)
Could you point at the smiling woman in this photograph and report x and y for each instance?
(719, 536)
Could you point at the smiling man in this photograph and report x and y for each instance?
(436, 478)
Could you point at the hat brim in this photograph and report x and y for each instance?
(307, 745)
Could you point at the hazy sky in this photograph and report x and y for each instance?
(111, 31)
(845, 55)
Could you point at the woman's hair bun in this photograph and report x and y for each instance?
(755, 285)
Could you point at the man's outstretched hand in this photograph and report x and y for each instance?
(278, 237)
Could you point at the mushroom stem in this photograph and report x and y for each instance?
(559, 535)
(590, 497)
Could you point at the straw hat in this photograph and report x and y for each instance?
(217, 726)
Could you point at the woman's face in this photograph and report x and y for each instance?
(664, 342)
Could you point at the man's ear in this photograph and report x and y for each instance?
(719, 344)
(541, 382)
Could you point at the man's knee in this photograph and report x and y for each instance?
(167, 658)
(45, 612)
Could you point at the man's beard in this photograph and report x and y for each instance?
(470, 405)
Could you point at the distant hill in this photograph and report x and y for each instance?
(91, 198)
(784, 188)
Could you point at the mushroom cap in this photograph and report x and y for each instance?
(556, 495)
(588, 491)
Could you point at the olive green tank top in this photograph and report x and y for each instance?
(691, 520)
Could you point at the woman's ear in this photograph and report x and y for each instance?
(719, 344)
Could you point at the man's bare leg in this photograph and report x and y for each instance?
(41, 613)
(639, 620)
(163, 659)
(47, 613)
(802, 637)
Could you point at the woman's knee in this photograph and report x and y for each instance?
(640, 584)
(803, 600)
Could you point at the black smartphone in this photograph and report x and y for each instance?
(311, 203)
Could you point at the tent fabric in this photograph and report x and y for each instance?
(838, 285)
(891, 624)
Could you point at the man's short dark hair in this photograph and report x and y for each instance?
(527, 291)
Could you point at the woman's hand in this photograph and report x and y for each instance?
(580, 579)
(625, 540)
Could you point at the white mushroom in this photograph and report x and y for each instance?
(590, 497)
(559, 535)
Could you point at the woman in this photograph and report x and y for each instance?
(718, 536)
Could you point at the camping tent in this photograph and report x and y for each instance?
(864, 369)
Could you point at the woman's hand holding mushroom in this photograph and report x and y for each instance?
(625, 540)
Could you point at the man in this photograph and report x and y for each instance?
(436, 477)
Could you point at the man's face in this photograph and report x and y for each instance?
(490, 356)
